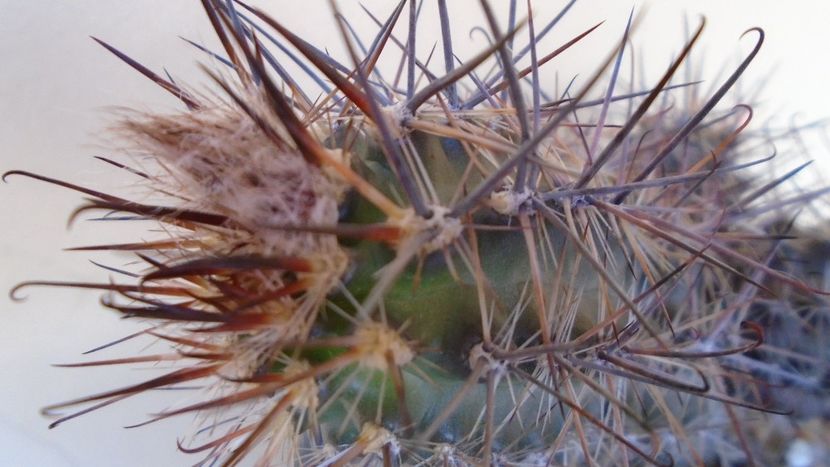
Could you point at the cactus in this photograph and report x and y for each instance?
(437, 272)
(795, 356)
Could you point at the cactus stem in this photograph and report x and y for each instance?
(391, 274)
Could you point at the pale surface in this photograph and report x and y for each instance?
(57, 84)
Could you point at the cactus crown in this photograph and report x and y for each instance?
(428, 270)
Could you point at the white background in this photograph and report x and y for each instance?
(57, 92)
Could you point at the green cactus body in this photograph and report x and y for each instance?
(392, 278)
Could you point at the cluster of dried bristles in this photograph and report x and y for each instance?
(391, 273)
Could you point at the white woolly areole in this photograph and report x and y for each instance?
(508, 202)
(444, 451)
(224, 163)
(376, 341)
(395, 114)
(446, 228)
(305, 391)
(374, 437)
(478, 354)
